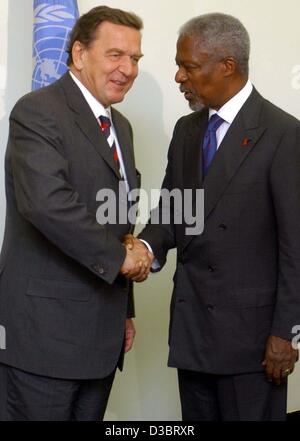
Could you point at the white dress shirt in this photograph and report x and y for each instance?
(230, 109)
(99, 110)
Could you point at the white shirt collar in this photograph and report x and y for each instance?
(96, 107)
(230, 109)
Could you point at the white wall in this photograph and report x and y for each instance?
(147, 389)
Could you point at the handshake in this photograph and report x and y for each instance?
(138, 260)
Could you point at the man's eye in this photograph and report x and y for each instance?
(191, 68)
(115, 56)
(188, 68)
(135, 60)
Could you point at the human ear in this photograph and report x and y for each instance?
(229, 66)
(78, 51)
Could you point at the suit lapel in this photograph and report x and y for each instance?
(192, 163)
(238, 142)
(87, 122)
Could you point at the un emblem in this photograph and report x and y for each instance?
(52, 26)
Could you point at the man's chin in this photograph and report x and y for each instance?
(196, 106)
(116, 98)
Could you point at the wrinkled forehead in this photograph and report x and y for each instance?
(109, 29)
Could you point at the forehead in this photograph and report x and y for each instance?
(190, 49)
(115, 35)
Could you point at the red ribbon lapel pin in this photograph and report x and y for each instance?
(246, 142)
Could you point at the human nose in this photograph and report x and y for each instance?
(128, 66)
(180, 76)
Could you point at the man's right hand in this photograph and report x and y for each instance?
(138, 260)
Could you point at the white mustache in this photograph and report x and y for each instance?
(183, 90)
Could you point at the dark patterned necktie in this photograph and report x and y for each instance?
(210, 141)
(105, 125)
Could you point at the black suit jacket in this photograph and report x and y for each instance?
(239, 281)
(62, 302)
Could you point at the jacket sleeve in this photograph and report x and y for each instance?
(157, 233)
(285, 187)
(45, 197)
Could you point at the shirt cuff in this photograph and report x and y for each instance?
(155, 264)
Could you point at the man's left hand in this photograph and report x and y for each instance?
(129, 334)
(280, 359)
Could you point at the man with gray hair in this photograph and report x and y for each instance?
(236, 291)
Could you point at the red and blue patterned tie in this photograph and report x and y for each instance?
(105, 125)
(210, 141)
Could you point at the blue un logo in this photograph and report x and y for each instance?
(52, 26)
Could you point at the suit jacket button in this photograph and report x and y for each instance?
(98, 268)
(211, 269)
(222, 226)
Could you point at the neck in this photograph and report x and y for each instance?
(232, 88)
(74, 71)
(238, 85)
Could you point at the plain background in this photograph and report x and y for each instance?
(147, 389)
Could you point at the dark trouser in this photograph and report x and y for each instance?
(246, 397)
(29, 397)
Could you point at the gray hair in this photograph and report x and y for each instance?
(221, 36)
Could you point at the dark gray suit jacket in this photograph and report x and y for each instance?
(239, 281)
(62, 302)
